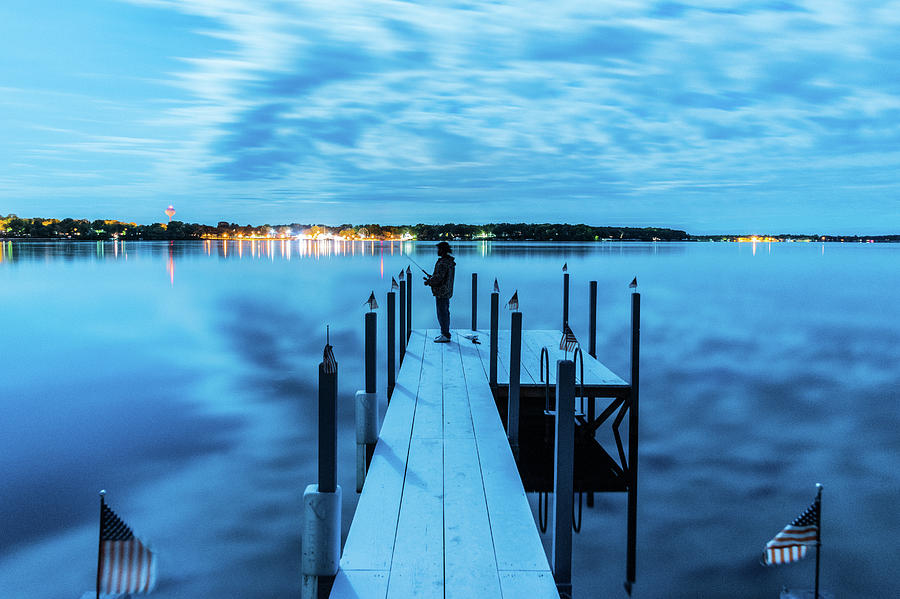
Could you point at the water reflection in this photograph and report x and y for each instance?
(192, 403)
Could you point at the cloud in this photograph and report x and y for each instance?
(349, 100)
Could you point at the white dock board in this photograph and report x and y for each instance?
(443, 512)
(595, 373)
(457, 417)
(370, 541)
(417, 569)
(469, 562)
(429, 420)
(525, 583)
(517, 545)
(360, 584)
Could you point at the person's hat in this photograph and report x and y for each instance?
(444, 246)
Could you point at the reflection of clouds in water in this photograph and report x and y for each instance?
(752, 389)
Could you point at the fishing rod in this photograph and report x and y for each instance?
(427, 274)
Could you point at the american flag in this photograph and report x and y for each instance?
(568, 342)
(792, 543)
(125, 566)
(513, 303)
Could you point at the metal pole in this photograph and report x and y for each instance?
(391, 343)
(474, 301)
(402, 323)
(818, 534)
(371, 332)
(633, 438)
(100, 544)
(409, 291)
(327, 429)
(592, 351)
(592, 310)
(495, 317)
(565, 300)
(515, 368)
(563, 476)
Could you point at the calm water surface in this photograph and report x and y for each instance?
(179, 378)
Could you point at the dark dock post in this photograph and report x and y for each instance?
(367, 406)
(391, 342)
(495, 317)
(633, 439)
(409, 286)
(515, 369)
(565, 298)
(592, 319)
(474, 301)
(402, 323)
(322, 502)
(592, 351)
(563, 476)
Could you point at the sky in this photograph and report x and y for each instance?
(745, 116)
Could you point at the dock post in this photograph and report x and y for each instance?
(592, 351)
(409, 286)
(391, 343)
(322, 502)
(402, 320)
(515, 369)
(474, 301)
(565, 300)
(495, 317)
(592, 318)
(367, 406)
(633, 439)
(564, 477)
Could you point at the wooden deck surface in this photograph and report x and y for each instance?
(596, 375)
(443, 513)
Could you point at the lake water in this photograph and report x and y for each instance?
(180, 377)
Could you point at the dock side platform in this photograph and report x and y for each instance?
(443, 512)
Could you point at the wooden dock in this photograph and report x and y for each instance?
(443, 512)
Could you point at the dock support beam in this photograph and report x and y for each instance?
(495, 317)
(633, 439)
(515, 369)
(563, 477)
(367, 406)
(321, 551)
(402, 320)
(565, 300)
(474, 301)
(592, 351)
(409, 286)
(391, 343)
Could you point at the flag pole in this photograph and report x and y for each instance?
(100, 543)
(818, 534)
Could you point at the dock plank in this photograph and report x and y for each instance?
(360, 584)
(417, 568)
(595, 373)
(527, 583)
(443, 513)
(517, 545)
(429, 418)
(370, 541)
(469, 561)
(457, 417)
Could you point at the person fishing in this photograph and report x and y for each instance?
(441, 283)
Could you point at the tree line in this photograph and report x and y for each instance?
(69, 228)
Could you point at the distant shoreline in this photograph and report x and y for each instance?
(68, 229)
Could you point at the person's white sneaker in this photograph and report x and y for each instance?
(441, 339)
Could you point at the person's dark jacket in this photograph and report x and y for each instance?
(441, 281)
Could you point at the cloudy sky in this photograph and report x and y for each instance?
(744, 116)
